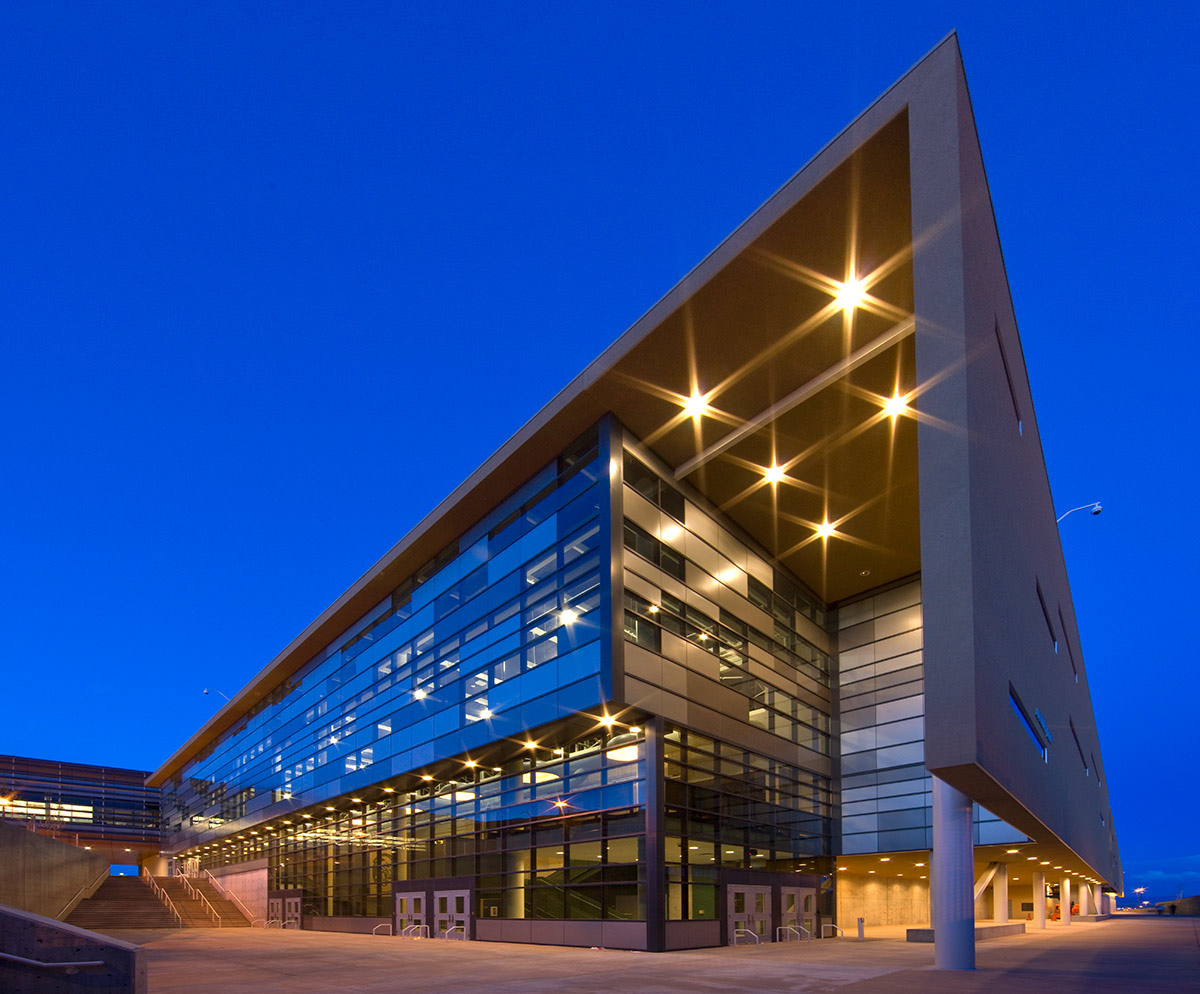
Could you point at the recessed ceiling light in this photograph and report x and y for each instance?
(895, 406)
(850, 294)
(695, 406)
(774, 474)
(825, 530)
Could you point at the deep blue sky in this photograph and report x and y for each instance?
(276, 277)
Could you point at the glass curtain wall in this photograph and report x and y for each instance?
(498, 633)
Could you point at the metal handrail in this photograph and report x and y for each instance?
(230, 896)
(195, 894)
(830, 925)
(455, 928)
(94, 885)
(387, 925)
(745, 931)
(71, 966)
(793, 928)
(160, 894)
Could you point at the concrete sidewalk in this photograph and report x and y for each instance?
(1142, 955)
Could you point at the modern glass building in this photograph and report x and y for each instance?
(107, 810)
(761, 615)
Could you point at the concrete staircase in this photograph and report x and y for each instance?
(195, 913)
(121, 903)
(231, 915)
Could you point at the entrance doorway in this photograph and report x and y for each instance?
(451, 918)
(409, 910)
(749, 913)
(798, 906)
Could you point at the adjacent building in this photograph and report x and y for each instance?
(762, 615)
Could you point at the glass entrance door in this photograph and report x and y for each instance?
(409, 912)
(798, 905)
(451, 919)
(749, 911)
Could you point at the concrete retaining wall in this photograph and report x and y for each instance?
(42, 875)
(981, 932)
(34, 937)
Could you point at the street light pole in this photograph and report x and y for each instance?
(1096, 507)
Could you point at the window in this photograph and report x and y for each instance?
(1023, 715)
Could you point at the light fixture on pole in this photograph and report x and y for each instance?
(1096, 507)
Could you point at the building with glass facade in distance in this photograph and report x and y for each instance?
(107, 810)
(764, 613)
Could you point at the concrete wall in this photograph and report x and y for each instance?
(42, 875)
(122, 969)
(881, 900)
(248, 882)
(997, 603)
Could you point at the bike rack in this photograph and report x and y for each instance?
(455, 928)
(387, 925)
(415, 932)
(745, 931)
(831, 925)
(795, 929)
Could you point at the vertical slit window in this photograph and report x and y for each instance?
(1087, 770)
(1012, 392)
(1067, 642)
(1023, 715)
(1046, 614)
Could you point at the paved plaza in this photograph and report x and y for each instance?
(1133, 955)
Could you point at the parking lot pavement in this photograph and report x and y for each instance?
(1145, 955)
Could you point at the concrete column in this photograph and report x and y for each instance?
(1000, 895)
(656, 879)
(1039, 899)
(1085, 899)
(1064, 900)
(952, 881)
(1098, 899)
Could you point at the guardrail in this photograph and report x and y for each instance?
(230, 896)
(830, 925)
(161, 894)
(795, 929)
(71, 966)
(745, 931)
(195, 894)
(387, 925)
(89, 888)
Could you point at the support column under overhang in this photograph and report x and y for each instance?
(952, 884)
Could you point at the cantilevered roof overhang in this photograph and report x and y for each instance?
(796, 335)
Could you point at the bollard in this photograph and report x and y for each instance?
(861, 921)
